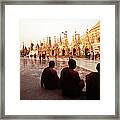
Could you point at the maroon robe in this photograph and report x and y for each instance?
(49, 79)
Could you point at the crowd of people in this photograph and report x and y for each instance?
(70, 82)
(91, 55)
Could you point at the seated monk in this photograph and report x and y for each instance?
(71, 84)
(49, 78)
(93, 84)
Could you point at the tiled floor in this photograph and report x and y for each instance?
(30, 74)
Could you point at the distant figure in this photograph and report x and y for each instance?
(70, 56)
(88, 55)
(43, 56)
(56, 56)
(97, 56)
(40, 57)
(48, 57)
(70, 81)
(30, 55)
(92, 55)
(49, 78)
(93, 84)
(35, 56)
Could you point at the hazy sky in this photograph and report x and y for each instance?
(37, 29)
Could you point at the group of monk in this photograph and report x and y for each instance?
(70, 82)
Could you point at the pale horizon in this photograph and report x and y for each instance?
(35, 30)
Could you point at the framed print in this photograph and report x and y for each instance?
(59, 59)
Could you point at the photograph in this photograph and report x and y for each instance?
(59, 59)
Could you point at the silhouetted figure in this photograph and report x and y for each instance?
(40, 57)
(88, 55)
(70, 56)
(93, 84)
(55, 56)
(97, 56)
(48, 57)
(35, 56)
(92, 55)
(43, 56)
(70, 81)
(49, 78)
(30, 55)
